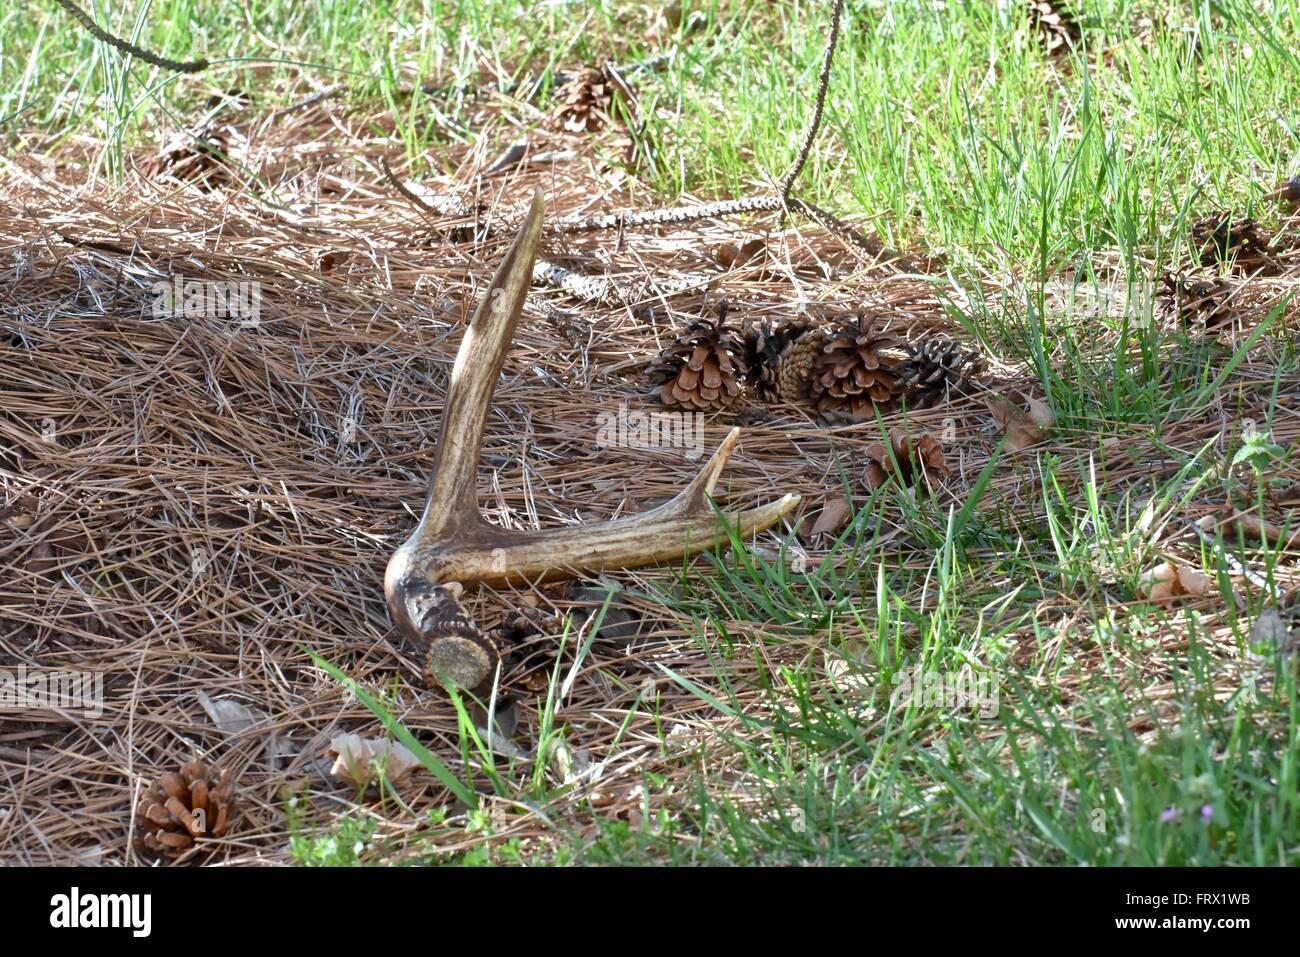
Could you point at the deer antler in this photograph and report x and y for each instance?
(454, 545)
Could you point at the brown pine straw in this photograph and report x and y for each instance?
(185, 508)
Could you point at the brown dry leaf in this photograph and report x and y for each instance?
(731, 255)
(41, 561)
(357, 759)
(833, 517)
(1269, 631)
(622, 621)
(228, 714)
(1023, 429)
(232, 717)
(1166, 582)
(329, 261)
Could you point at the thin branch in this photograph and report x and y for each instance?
(819, 108)
(318, 97)
(670, 216)
(193, 66)
(605, 289)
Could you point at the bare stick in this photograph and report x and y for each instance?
(439, 205)
(819, 108)
(670, 216)
(193, 66)
(603, 288)
(318, 97)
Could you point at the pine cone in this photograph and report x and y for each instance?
(1287, 190)
(704, 369)
(1219, 239)
(781, 360)
(181, 806)
(936, 366)
(588, 103)
(1056, 26)
(916, 457)
(527, 664)
(1207, 298)
(202, 158)
(857, 369)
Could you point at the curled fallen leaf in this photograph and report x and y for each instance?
(1269, 631)
(731, 255)
(913, 461)
(228, 714)
(833, 516)
(1024, 428)
(358, 760)
(231, 717)
(1166, 582)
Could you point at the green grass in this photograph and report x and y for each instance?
(1056, 777)
(951, 130)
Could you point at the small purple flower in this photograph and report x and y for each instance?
(1168, 814)
(1207, 814)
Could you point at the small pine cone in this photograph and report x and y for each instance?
(935, 367)
(915, 460)
(588, 102)
(1055, 26)
(1218, 239)
(181, 806)
(781, 360)
(528, 658)
(202, 158)
(857, 369)
(704, 370)
(1288, 190)
(1204, 298)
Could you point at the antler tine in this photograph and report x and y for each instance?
(452, 501)
(455, 545)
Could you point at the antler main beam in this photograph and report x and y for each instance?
(454, 543)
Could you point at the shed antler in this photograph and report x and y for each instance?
(454, 545)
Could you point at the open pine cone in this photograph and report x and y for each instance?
(781, 359)
(181, 806)
(934, 367)
(916, 459)
(857, 370)
(704, 370)
(1055, 25)
(1287, 190)
(1206, 298)
(588, 103)
(1219, 238)
(202, 158)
